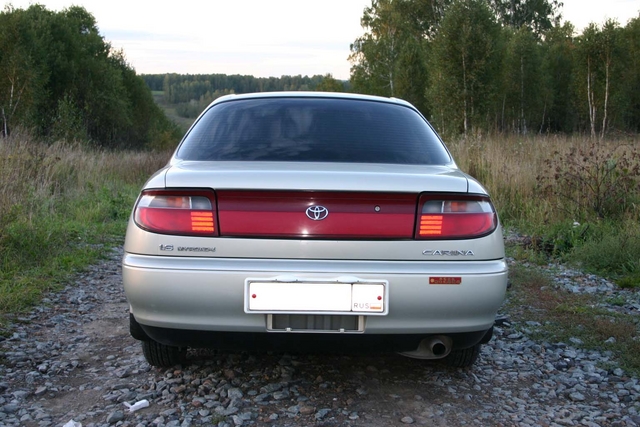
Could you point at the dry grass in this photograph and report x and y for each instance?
(512, 168)
(33, 175)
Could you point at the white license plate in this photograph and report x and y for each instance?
(311, 297)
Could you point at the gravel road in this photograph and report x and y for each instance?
(71, 358)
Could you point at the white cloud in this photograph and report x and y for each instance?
(581, 13)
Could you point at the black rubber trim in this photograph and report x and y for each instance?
(316, 342)
(136, 330)
(487, 336)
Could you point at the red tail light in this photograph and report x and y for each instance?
(454, 217)
(180, 212)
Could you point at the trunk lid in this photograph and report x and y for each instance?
(360, 177)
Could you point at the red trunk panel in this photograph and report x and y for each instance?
(348, 215)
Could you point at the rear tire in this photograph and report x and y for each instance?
(162, 356)
(464, 358)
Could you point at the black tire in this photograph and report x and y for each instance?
(162, 356)
(464, 358)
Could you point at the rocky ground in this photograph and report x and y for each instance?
(72, 359)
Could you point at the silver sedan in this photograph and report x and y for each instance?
(291, 220)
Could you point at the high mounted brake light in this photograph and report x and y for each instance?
(179, 212)
(454, 217)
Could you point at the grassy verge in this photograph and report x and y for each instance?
(61, 209)
(562, 316)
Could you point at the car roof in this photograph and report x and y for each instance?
(309, 94)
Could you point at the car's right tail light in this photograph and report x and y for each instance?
(177, 212)
(454, 217)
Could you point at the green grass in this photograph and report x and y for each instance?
(39, 252)
(612, 249)
(62, 208)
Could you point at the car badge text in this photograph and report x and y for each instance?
(187, 248)
(439, 252)
(317, 213)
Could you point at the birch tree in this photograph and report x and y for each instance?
(537, 15)
(465, 65)
(375, 54)
(587, 53)
(609, 44)
(391, 57)
(17, 74)
(597, 56)
(525, 93)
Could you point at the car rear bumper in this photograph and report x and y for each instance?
(208, 294)
(322, 343)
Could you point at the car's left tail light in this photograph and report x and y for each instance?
(179, 212)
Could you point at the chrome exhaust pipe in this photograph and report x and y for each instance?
(438, 348)
(435, 347)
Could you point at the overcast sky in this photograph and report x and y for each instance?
(258, 37)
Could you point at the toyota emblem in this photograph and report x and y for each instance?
(317, 213)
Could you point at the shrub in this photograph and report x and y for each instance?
(594, 180)
(612, 250)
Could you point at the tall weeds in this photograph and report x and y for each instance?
(60, 207)
(579, 197)
(36, 176)
(545, 179)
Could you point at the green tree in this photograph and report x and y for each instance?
(423, 16)
(329, 84)
(598, 57)
(500, 64)
(375, 54)
(524, 90)
(19, 83)
(537, 15)
(390, 59)
(465, 66)
(558, 70)
(59, 77)
(630, 104)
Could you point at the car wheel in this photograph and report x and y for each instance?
(464, 358)
(161, 355)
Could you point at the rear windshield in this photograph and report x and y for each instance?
(313, 130)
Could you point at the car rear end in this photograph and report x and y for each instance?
(288, 219)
